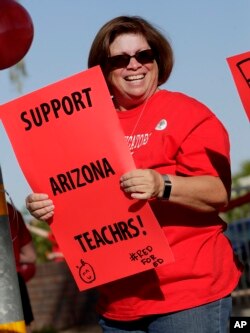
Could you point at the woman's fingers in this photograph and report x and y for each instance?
(40, 206)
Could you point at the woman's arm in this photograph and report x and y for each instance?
(27, 254)
(202, 193)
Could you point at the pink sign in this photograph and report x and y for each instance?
(240, 68)
(68, 141)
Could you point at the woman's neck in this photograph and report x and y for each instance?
(131, 104)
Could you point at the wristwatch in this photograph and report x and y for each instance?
(167, 187)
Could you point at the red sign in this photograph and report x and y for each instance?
(240, 68)
(69, 144)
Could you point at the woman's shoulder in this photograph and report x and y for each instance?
(185, 111)
(183, 104)
(180, 98)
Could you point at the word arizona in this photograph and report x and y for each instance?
(79, 177)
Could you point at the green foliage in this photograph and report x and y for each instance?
(42, 245)
(238, 213)
(239, 189)
(245, 171)
(16, 74)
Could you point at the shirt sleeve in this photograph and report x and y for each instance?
(206, 151)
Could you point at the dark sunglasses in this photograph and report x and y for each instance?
(122, 60)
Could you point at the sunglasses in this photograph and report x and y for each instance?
(122, 60)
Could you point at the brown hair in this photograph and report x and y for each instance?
(99, 51)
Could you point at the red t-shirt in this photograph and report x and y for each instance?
(175, 134)
(19, 232)
(20, 237)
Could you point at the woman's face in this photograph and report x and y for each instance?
(133, 84)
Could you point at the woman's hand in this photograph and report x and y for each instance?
(40, 206)
(143, 184)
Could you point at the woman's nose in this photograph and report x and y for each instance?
(133, 63)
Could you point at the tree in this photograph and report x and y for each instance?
(17, 73)
(42, 244)
(240, 195)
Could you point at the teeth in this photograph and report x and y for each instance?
(135, 77)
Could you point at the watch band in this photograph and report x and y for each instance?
(167, 187)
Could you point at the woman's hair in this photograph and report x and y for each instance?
(99, 51)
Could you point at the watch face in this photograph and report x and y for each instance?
(168, 187)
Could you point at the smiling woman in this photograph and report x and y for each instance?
(179, 171)
(135, 82)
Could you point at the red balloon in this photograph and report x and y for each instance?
(16, 33)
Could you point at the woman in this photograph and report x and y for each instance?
(181, 151)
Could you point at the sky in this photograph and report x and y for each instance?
(203, 33)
